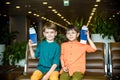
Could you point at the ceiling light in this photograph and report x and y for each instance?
(110, 18)
(44, 3)
(98, 0)
(29, 12)
(113, 16)
(49, 6)
(62, 17)
(92, 14)
(53, 10)
(17, 6)
(33, 22)
(4, 15)
(34, 14)
(90, 17)
(94, 9)
(43, 18)
(7, 3)
(118, 13)
(59, 14)
(37, 15)
(96, 5)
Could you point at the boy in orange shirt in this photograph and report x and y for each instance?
(73, 59)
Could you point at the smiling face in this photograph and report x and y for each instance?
(49, 34)
(72, 35)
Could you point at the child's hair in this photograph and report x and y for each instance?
(49, 25)
(72, 27)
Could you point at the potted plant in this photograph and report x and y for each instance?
(6, 38)
(106, 28)
(14, 53)
(103, 30)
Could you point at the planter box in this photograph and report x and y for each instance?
(2, 48)
(21, 63)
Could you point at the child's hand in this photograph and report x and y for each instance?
(65, 69)
(46, 77)
(30, 43)
(87, 34)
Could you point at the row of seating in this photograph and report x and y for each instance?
(95, 67)
(114, 60)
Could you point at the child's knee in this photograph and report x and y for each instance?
(54, 75)
(64, 76)
(77, 76)
(36, 75)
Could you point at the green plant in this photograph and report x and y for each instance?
(7, 37)
(14, 53)
(78, 23)
(104, 27)
(60, 38)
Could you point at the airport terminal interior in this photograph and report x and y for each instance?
(102, 18)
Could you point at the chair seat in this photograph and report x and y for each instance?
(24, 77)
(95, 78)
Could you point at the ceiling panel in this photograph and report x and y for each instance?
(77, 9)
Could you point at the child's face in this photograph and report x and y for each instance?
(72, 35)
(50, 34)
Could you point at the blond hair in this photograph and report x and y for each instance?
(49, 25)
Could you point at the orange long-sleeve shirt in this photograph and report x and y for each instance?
(74, 56)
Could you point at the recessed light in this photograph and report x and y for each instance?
(110, 18)
(17, 6)
(113, 16)
(33, 22)
(94, 9)
(98, 0)
(49, 6)
(59, 14)
(90, 17)
(96, 5)
(92, 14)
(37, 15)
(118, 13)
(7, 3)
(62, 17)
(34, 14)
(4, 15)
(44, 3)
(29, 12)
(53, 10)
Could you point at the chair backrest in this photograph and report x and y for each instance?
(114, 52)
(95, 61)
(31, 64)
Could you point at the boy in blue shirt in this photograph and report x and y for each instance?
(48, 52)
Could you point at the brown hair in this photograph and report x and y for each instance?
(72, 27)
(49, 25)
